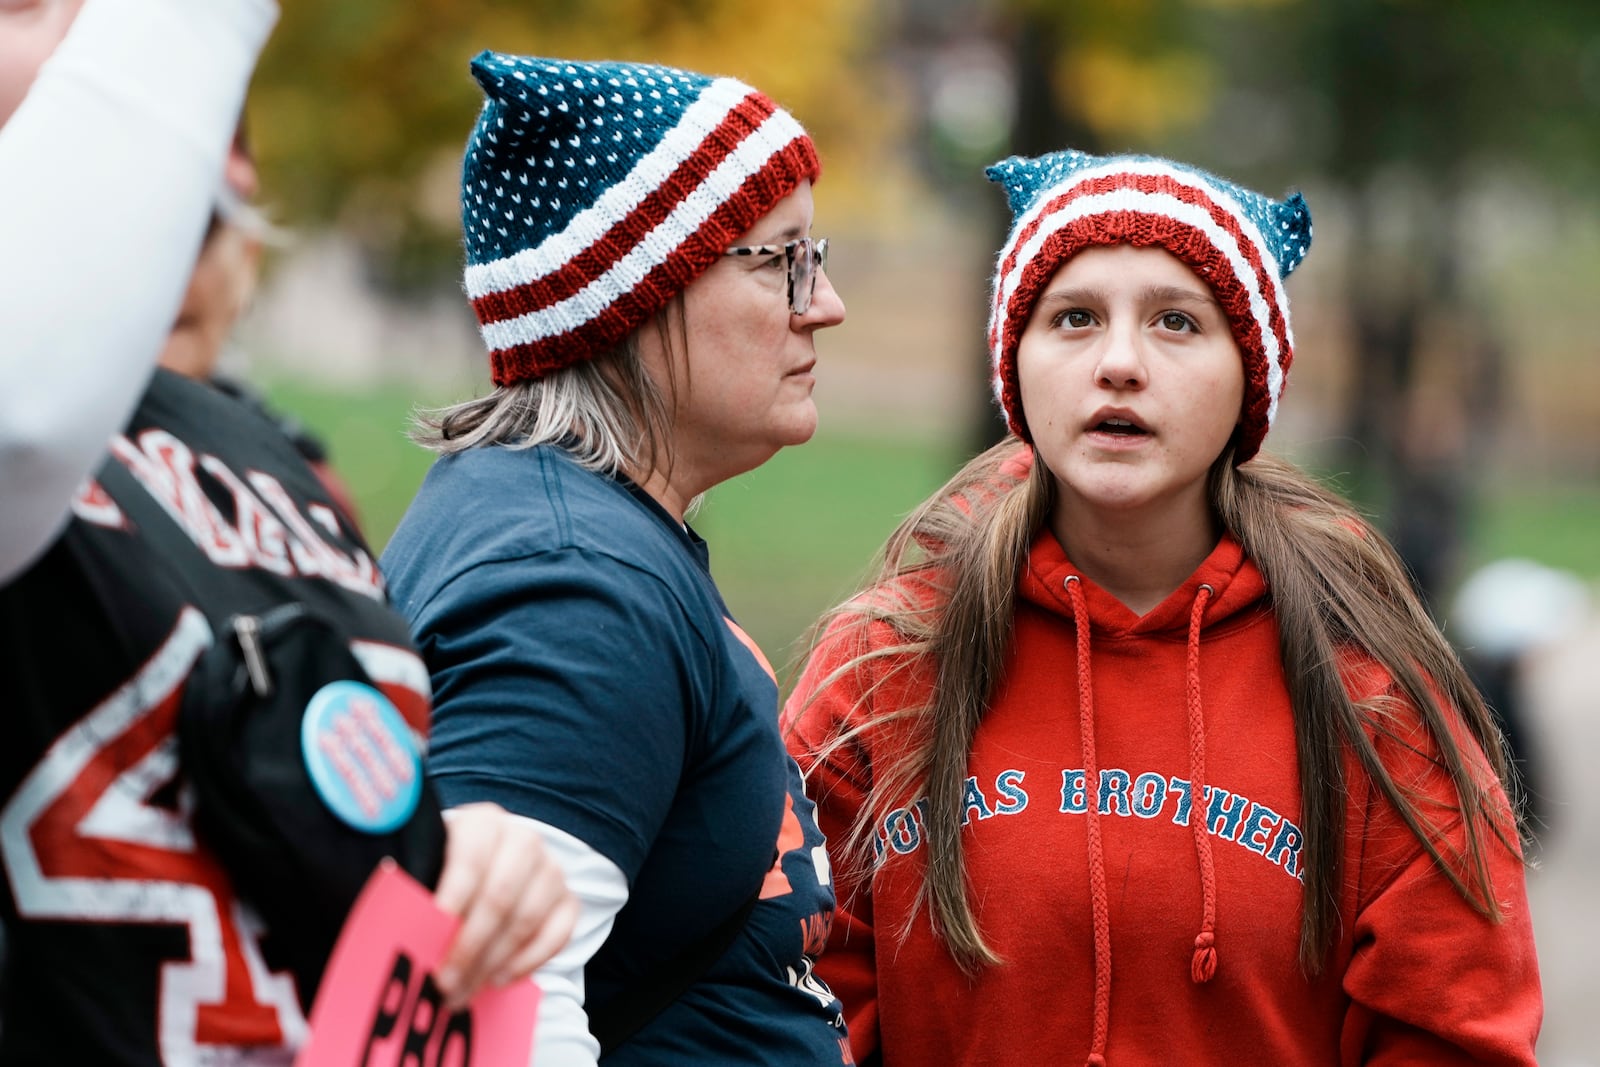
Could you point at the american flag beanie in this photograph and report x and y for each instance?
(592, 193)
(1240, 243)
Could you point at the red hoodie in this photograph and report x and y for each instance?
(1107, 945)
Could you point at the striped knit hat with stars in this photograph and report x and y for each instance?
(593, 193)
(1240, 243)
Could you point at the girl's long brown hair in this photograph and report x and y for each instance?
(945, 587)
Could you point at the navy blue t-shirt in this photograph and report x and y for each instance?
(587, 674)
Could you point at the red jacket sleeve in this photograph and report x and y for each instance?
(1431, 980)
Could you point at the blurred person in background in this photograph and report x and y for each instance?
(640, 256)
(219, 293)
(1140, 747)
(127, 938)
(1501, 617)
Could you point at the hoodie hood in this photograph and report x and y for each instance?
(1236, 587)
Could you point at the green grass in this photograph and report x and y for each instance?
(365, 434)
(1556, 524)
(794, 537)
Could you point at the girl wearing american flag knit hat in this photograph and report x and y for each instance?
(1139, 747)
(640, 258)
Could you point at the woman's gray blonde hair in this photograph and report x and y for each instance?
(608, 412)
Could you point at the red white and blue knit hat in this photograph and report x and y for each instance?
(592, 193)
(1240, 243)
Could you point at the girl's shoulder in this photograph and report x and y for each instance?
(870, 657)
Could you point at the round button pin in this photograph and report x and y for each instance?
(363, 759)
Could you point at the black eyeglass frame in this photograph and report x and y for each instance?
(814, 260)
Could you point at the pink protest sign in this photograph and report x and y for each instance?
(378, 1005)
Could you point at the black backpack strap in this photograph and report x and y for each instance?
(621, 1017)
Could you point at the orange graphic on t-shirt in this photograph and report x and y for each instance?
(790, 837)
(755, 650)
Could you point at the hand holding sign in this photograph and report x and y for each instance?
(515, 909)
(378, 1004)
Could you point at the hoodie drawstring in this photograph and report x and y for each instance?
(1099, 903)
(1204, 964)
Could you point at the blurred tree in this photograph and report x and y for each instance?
(1405, 106)
(361, 107)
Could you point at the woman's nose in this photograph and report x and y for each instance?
(827, 307)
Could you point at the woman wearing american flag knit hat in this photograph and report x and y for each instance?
(639, 253)
(1139, 747)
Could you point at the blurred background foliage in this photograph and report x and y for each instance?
(363, 106)
(1446, 374)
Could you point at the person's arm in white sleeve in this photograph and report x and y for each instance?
(108, 172)
(562, 1035)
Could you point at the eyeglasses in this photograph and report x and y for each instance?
(803, 256)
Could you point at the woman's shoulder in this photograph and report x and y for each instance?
(874, 643)
(495, 517)
(530, 500)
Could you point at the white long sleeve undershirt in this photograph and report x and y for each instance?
(108, 171)
(562, 1037)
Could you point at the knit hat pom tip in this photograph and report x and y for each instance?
(485, 69)
(1294, 232)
